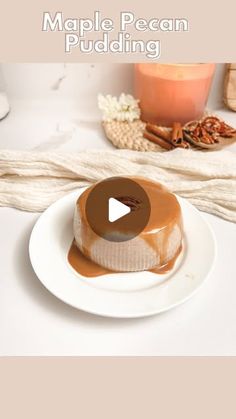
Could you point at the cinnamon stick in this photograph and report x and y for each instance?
(177, 133)
(157, 140)
(159, 131)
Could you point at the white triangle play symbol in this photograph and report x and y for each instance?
(116, 210)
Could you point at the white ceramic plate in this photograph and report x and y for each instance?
(119, 294)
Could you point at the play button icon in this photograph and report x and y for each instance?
(117, 210)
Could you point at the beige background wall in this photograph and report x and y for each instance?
(210, 37)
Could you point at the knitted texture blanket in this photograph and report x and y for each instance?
(31, 181)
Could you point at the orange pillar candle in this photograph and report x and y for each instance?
(171, 93)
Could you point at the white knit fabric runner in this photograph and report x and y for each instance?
(31, 181)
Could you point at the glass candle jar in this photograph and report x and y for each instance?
(171, 93)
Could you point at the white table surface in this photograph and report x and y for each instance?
(34, 322)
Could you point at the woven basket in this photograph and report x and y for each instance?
(129, 135)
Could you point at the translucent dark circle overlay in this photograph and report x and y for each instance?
(129, 193)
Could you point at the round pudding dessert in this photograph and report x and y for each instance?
(155, 248)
